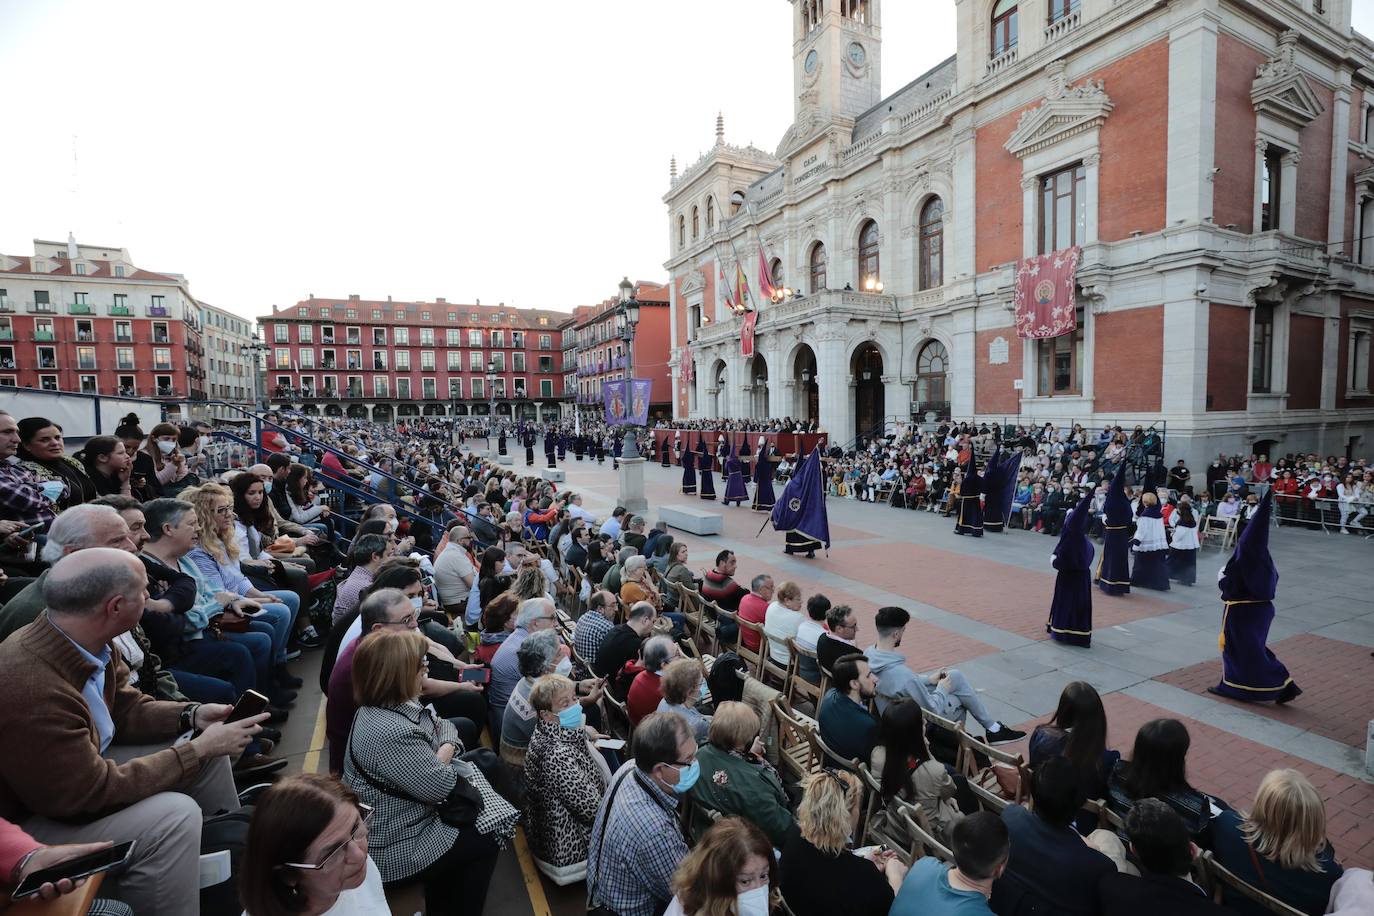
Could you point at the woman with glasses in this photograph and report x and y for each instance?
(407, 763)
(730, 870)
(307, 852)
(216, 557)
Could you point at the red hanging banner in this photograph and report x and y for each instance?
(1045, 295)
(746, 337)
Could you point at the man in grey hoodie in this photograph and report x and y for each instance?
(946, 692)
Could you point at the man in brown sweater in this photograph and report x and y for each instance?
(88, 757)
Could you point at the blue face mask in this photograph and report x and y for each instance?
(704, 690)
(687, 777)
(573, 717)
(267, 486)
(53, 489)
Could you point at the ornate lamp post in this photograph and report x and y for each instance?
(254, 351)
(629, 307)
(491, 392)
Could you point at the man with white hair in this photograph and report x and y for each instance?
(647, 688)
(533, 616)
(80, 527)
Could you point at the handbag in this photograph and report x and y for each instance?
(460, 809)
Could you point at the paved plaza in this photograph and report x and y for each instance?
(981, 604)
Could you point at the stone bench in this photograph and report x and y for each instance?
(691, 519)
(505, 459)
(552, 475)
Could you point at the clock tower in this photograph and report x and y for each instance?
(835, 59)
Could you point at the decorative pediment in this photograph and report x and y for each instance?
(694, 282)
(1066, 111)
(1281, 90)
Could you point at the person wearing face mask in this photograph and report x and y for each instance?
(565, 777)
(636, 843)
(539, 655)
(684, 687)
(159, 464)
(739, 780)
(63, 480)
(730, 870)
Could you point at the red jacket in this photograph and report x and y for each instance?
(645, 692)
(753, 609)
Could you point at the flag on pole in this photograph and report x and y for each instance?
(801, 507)
(729, 303)
(741, 287)
(688, 371)
(766, 286)
(746, 337)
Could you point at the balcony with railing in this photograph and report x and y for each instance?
(47, 362)
(126, 365)
(1062, 26)
(160, 366)
(166, 391)
(42, 308)
(122, 311)
(42, 335)
(82, 308)
(86, 364)
(1002, 61)
(6, 333)
(158, 311)
(6, 304)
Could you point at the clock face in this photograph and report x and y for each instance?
(811, 60)
(857, 54)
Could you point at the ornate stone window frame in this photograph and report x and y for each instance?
(1284, 103)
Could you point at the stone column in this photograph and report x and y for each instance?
(896, 397)
(1340, 156)
(1192, 119)
(1288, 192)
(1186, 314)
(1092, 170)
(1261, 147)
(1030, 216)
(962, 359)
(837, 402)
(961, 212)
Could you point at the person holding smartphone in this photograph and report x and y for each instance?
(21, 856)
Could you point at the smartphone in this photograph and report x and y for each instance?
(29, 532)
(474, 676)
(610, 744)
(80, 867)
(250, 704)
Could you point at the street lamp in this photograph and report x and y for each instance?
(491, 393)
(252, 350)
(629, 307)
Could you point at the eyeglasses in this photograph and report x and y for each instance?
(224, 510)
(406, 621)
(359, 831)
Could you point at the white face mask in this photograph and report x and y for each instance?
(564, 667)
(753, 903)
(165, 446)
(417, 602)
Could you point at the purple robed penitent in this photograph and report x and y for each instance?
(1114, 569)
(763, 481)
(735, 490)
(970, 514)
(706, 484)
(1249, 581)
(800, 512)
(999, 483)
(1071, 611)
(689, 474)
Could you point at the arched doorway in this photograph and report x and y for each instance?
(718, 394)
(807, 405)
(932, 380)
(310, 410)
(758, 408)
(867, 369)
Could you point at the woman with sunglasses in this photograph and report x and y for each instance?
(307, 852)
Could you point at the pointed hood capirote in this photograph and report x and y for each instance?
(1250, 574)
(1116, 507)
(1074, 550)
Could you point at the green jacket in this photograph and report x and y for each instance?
(732, 785)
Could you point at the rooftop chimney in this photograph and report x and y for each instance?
(354, 297)
(72, 253)
(441, 301)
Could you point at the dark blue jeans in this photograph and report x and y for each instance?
(224, 660)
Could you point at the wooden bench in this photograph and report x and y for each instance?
(691, 519)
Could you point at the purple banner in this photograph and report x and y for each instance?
(627, 402)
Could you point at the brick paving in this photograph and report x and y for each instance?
(1337, 679)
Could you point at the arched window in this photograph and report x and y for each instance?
(710, 214)
(1062, 8)
(1003, 27)
(868, 254)
(736, 201)
(932, 366)
(681, 231)
(696, 224)
(817, 267)
(775, 273)
(932, 252)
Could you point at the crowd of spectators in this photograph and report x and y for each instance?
(451, 597)
(766, 425)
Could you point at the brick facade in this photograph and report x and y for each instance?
(1130, 359)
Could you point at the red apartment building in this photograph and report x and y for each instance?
(601, 349)
(383, 359)
(84, 318)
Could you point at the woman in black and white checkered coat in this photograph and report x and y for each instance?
(404, 762)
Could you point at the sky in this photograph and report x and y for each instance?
(514, 151)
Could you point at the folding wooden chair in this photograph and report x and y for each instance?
(830, 757)
(971, 749)
(771, 672)
(1107, 819)
(752, 659)
(689, 606)
(723, 617)
(923, 842)
(798, 685)
(1224, 883)
(616, 717)
(798, 754)
(951, 735)
(876, 823)
(708, 625)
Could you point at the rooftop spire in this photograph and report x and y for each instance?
(720, 129)
(672, 169)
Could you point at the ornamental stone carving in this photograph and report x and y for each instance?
(1065, 112)
(1280, 89)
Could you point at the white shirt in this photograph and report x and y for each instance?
(577, 511)
(780, 623)
(807, 634)
(367, 899)
(450, 569)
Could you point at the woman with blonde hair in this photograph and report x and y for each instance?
(529, 583)
(1280, 847)
(820, 875)
(216, 557)
(730, 872)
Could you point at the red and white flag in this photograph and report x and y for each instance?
(746, 337)
(1045, 296)
(766, 287)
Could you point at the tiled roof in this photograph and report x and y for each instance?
(506, 316)
(95, 269)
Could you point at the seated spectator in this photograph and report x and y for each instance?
(1160, 845)
(906, 769)
(592, 627)
(1078, 732)
(496, 625)
(946, 692)
(656, 534)
(539, 654)
(676, 572)
(99, 760)
(781, 620)
(646, 690)
(62, 478)
(1280, 847)
(717, 585)
(634, 535)
(160, 464)
(1051, 868)
(731, 869)
(535, 614)
(621, 646)
(23, 502)
(613, 579)
(636, 843)
(577, 554)
(739, 780)
(1158, 769)
(401, 759)
(808, 633)
(611, 526)
(455, 571)
(636, 585)
(683, 687)
(753, 607)
(1353, 894)
(820, 877)
(842, 627)
(847, 727)
(981, 847)
(366, 555)
(566, 779)
(307, 852)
